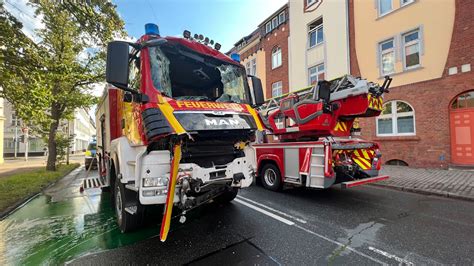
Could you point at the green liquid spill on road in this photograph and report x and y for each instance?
(46, 232)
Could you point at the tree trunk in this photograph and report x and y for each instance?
(53, 128)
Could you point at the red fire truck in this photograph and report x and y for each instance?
(174, 126)
(313, 129)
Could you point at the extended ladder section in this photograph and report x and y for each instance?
(326, 109)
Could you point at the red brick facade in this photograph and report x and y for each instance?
(278, 37)
(430, 100)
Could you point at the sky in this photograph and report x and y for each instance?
(224, 21)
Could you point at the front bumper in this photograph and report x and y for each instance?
(239, 173)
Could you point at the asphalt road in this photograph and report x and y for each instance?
(360, 226)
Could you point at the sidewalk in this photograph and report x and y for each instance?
(19, 165)
(449, 183)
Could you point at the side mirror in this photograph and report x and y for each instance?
(257, 91)
(117, 64)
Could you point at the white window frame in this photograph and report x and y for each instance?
(275, 22)
(380, 10)
(276, 52)
(406, 3)
(277, 86)
(281, 17)
(315, 31)
(317, 73)
(394, 116)
(253, 67)
(247, 67)
(268, 27)
(382, 52)
(405, 44)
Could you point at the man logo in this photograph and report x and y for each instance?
(220, 122)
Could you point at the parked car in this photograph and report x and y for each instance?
(90, 159)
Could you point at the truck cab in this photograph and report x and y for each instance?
(175, 125)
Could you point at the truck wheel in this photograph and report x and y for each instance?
(271, 177)
(127, 222)
(227, 196)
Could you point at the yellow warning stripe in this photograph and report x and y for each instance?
(375, 102)
(167, 111)
(165, 223)
(255, 117)
(341, 126)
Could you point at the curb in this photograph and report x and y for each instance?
(425, 192)
(11, 209)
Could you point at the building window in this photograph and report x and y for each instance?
(16, 121)
(274, 22)
(406, 2)
(315, 74)
(411, 49)
(281, 17)
(268, 27)
(385, 6)
(277, 89)
(315, 33)
(310, 2)
(276, 57)
(465, 100)
(387, 57)
(253, 67)
(396, 119)
(247, 68)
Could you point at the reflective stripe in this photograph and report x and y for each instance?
(165, 224)
(255, 117)
(167, 111)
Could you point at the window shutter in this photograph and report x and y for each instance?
(400, 47)
(421, 40)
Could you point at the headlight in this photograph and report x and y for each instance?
(155, 181)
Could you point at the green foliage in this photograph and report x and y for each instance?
(18, 186)
(48, 80)
(62, 142)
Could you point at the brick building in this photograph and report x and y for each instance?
(428, 120)
(274, 41)
(264, 53)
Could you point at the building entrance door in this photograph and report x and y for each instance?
(462, 129)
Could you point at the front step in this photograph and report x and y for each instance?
(92, 182)
(131, 209)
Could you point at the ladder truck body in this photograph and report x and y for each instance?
(309, 141)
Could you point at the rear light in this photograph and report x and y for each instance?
(328, 171)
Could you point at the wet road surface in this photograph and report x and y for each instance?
(362, 226)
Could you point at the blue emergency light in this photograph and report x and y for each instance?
(152, 29)
(235, 57)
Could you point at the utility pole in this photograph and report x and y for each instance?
(68, 144)
(27, 142)
(16, 137)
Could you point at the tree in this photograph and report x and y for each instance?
(48, 80)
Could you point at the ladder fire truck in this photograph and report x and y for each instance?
(313, 128)
(174, 126)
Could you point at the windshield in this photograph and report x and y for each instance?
(92, 146)
(185, 75)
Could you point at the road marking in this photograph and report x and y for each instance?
(288, 222)
(273, 210)
(390, 256)
(274, 216)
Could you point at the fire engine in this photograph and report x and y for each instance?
(313, 129)
(174, 126)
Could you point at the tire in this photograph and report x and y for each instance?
(227, 196)
(271, 177)
(126, 221)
